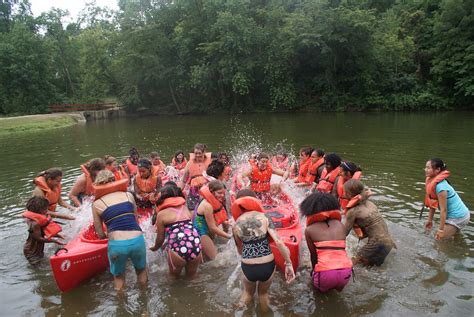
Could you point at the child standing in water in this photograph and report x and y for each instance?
(41, 229)
(326, 240)
(454, 215)
(360, 211)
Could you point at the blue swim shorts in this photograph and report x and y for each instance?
(121, 250)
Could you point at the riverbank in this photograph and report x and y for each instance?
(34, 123)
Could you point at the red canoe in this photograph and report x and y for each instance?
(287, 223)
(82, 258)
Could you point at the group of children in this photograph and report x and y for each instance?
(189, 204)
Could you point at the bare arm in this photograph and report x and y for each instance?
(97, 221)
(160, 233)
(185, 175)
(79, 187)
(240, 177)
(206, 209)
(38, 235)
(238, 242)
(281, 173)
(350, 220)
(289, 272)
(443, 212)
(429, 221)
(37, 192)
(311, 248)
(55, 214)
(64, 204)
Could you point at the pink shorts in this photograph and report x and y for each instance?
(333, 279)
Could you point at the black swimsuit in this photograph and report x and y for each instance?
(257, 247)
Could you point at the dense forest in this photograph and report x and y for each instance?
(191, 56)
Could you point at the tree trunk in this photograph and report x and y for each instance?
(178, 107)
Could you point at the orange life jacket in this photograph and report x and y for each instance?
(313, 171)
(219, 212)
(260, 180)
(303, 169)
(119, 173)
(158, 169)
(179, 166)
(244, 204)
(326, 183)
(51, 195)
(281, 165)
(112, 187)
(89, 190)
(49, 227)
(340, 189)
(195, 169)
(331, 256)
(351, 204)
(132, 168)
(323, 216)
(431, 199)
(171, 202)
(146, 185)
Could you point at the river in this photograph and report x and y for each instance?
(422, 276)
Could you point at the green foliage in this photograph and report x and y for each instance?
(241, 55)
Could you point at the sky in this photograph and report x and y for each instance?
(73, 6)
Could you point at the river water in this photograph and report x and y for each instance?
(421, 277)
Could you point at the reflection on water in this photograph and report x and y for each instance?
(422, 276)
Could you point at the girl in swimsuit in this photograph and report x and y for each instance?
(366, 215)
(174, 225)
(252, 231)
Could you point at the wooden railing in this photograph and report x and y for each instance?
(71, 107)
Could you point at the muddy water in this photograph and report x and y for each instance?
(421, 277)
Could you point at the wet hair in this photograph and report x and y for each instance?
(263, 156)
(215, 186)
(201, 147)
(96, 164)
(104, 177)
(215, 169)
(176, 155)
(154, 155)
(214, 156)
(133, 152)
(168, 191)
(245, 193)
(333, 159)
(438, 163)
(37, 204)
(318, 202)
(350, 167)
(109, 159)
(306, 150)
(144, 163)
(319, 152)
(279, 150)
(50, 173)
(354, 187)
(223, 156)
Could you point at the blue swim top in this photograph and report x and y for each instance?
(120, 217)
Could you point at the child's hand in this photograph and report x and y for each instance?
(59, 242)
(289, 273)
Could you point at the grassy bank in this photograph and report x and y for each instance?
(34, 123)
